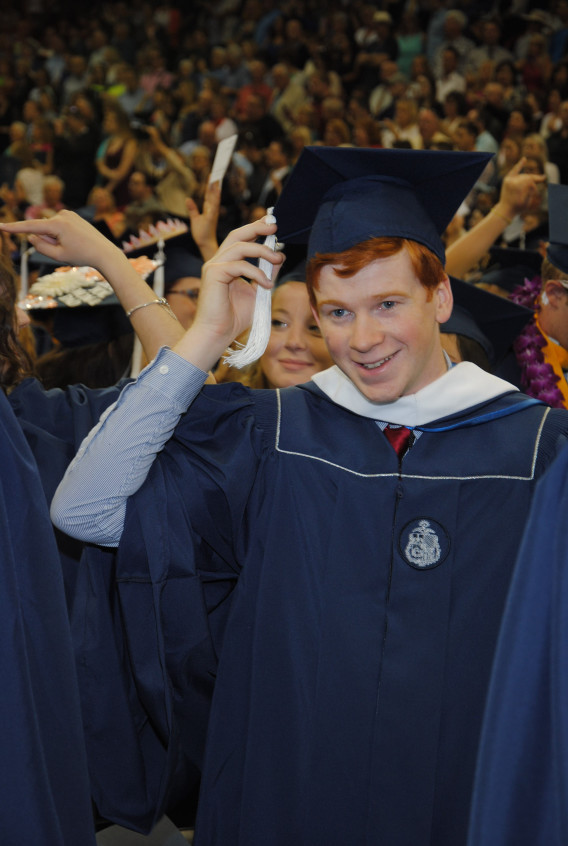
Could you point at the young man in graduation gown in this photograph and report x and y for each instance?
(353, 592)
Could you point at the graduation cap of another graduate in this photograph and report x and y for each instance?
(557, 250)
(336, 197)
(508, 268)
(79, 304)
(492, 321)
(180, 263)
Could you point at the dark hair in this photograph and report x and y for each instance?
(96, 365)
(15, 364)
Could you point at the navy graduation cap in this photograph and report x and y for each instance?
(180, 263)
(557, 250)
(493, 321)
(508, 267)
(337, 197)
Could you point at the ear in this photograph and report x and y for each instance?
(553, 294)
(444, 300)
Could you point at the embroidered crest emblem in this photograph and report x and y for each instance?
(424, 544)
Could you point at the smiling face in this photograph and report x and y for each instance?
(296, 349)
(381, 326)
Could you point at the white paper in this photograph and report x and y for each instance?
(223, 158)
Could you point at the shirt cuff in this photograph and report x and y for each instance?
(174, 377)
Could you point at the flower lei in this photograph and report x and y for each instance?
(537, 375)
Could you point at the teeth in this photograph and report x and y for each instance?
(377, 363)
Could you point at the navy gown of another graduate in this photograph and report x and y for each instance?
(353, 605)
(136, 764)
(521, 794)
(44, 785)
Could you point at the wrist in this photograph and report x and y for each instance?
(503, 212)
(201, 347)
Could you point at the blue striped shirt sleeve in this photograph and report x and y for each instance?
(115, 458)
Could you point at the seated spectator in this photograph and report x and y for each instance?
(535, 145)
(155, 74)
(450, 79)
(168, 169)
(115, 157)
(383, 47)
(336, 133)
(493, 109)
(225, 126)
(75, 78)
(143, 198)
(557, 144)
(287, 96)
(104, 210)
(490, 48)
(391, 85)
(506, 75)
(455, 109)
(404, 126)
(366, 132)
(278, 159)
(536, 67)
(411, 40)
(258, 87)
(74, 146)
(133, 99)
(53, 189)
(453, 26)
(260, 122)
(551, 121)
(430, 128)
(29, 183)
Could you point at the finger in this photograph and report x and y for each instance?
(259, 228)
(191, 207)
(24, 227)
(517, 168)
(47, 239)
(45, 247)
(235, 270)
(247, 249)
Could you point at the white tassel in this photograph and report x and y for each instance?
(261, 321)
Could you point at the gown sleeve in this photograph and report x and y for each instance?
(521, 793)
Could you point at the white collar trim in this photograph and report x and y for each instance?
(461, 387)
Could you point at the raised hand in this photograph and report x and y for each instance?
(228, 293)
(69, 239)
(204, 225)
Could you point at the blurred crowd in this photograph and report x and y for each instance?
(116, 111)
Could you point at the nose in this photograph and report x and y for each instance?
(366, 333)
(295, 339)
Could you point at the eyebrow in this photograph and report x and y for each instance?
(387, 296)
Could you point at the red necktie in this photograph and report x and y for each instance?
(399, 438)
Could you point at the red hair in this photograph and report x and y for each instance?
(427, 267)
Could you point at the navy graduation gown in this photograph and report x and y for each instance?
(134, 768)
(521, 792)
(353, 608)
(44, 784)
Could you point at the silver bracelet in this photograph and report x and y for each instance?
(158, 301)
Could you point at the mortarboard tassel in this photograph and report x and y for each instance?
(261, 321)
